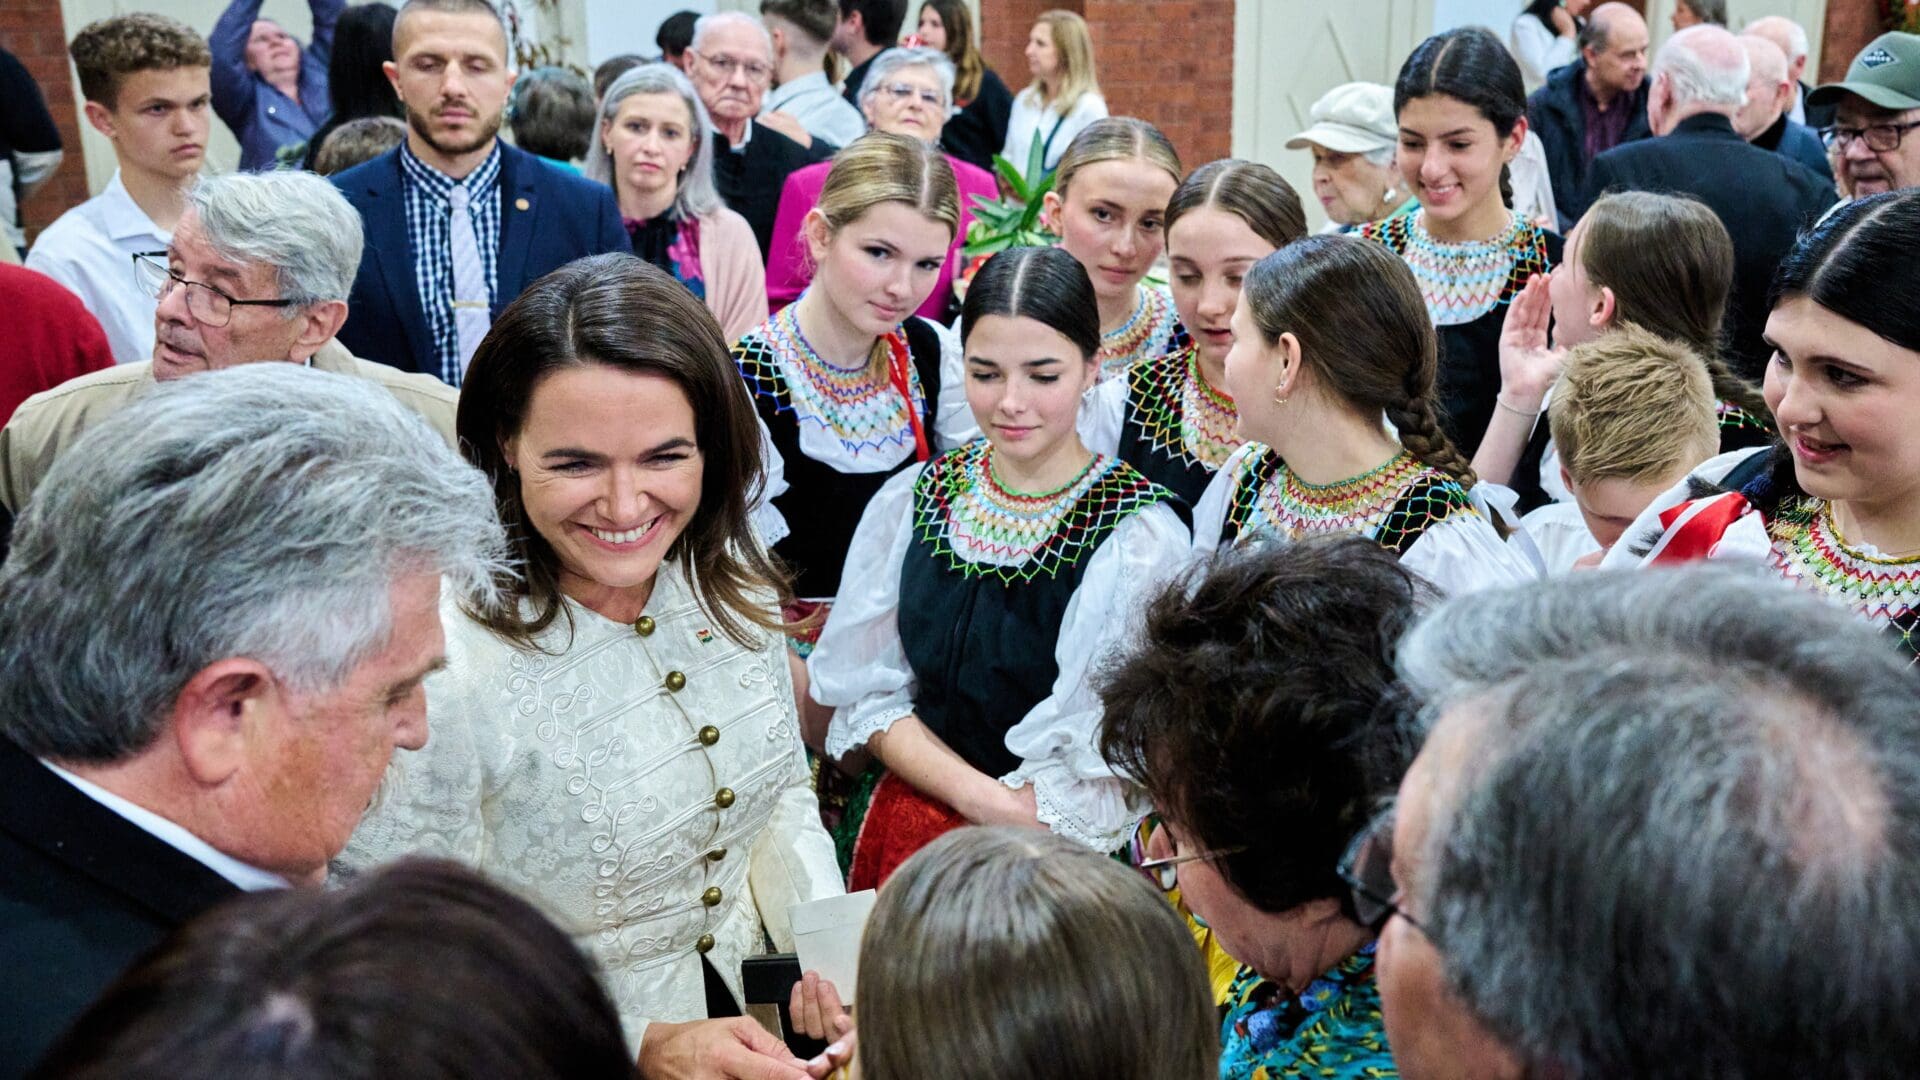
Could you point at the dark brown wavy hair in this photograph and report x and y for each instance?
(622, 312)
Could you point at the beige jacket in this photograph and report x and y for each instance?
(48, 422)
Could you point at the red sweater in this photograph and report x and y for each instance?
(51, 337)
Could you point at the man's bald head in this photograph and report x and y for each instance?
(1769, 91)
(1788, 36)
(1613, 43)
(1702, 69)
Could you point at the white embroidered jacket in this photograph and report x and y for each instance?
(643, 784)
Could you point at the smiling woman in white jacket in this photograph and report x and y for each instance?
(619, 742)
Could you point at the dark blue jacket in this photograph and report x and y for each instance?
(264, 119)
(548, 218)
(1763, 198)
(1553, 113)
(1796, 141)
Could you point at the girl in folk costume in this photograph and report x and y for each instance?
(1837, 508)
(1657, 262)
(1331, 339)
(1109, 208)
(1171, 416)
(1462, 111)
(850, 384)
(997, 576)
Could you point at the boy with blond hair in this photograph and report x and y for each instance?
(1632, 414)
(145, 79)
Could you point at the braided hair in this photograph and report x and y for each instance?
(1364, 330)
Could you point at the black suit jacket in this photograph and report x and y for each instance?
(750, 181)
(1763, 198)
(548, 218)
(83, 893)
(1799, 142)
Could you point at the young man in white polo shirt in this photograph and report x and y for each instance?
(145, 78)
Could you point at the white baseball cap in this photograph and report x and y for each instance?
(1351, 118)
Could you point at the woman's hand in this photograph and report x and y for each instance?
(731, 1049)
(815, 1008)
(1007, 806)
(1528, 363)
(1563, 22)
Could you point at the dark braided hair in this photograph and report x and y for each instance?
(1364, 329)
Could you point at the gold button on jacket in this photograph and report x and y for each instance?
(676, 682)
(709, 735)
(723, 798)
(704, 945)
(643, 626)
(712, 896)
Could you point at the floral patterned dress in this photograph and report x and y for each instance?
(1332, 1030)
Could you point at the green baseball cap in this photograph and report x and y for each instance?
(1886, 73)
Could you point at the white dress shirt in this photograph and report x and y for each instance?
(250, 878)
(90, 250)
(813, 101)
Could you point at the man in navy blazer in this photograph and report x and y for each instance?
(1763, 198)
(433, 279)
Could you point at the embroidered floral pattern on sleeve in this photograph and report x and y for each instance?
(1393, 504)
(981, 529)
(1809, 550)
(861, 411)
(1463, 281)
(1180, 414)
(1147, 333)
(1334, 1029)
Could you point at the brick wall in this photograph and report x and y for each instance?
(33, 31)
(1166, 61)
(1851, 24)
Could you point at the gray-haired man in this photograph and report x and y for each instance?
(259, 269)
(214, 626)
(1663, 826)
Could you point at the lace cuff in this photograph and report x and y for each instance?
(853, 726)
(1099, 814)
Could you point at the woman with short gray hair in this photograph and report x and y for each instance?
(909, 91)
(655, 149)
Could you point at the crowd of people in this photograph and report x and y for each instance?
(474, 572)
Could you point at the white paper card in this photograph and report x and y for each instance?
(826, 934)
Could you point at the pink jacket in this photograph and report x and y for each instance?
(787, 269)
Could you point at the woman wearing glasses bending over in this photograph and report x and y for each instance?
(1257, 696)
(908, 92)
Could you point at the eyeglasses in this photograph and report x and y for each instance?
(1880, 138)
(1163, 874)
(900, 92)
(209, 305)
(757, 72)
(1367, 869)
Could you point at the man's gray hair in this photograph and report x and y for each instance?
(898, 59)
(1693, 840)
(708, 23)
(696, 195)
(1791, 36)
(1705, 65)
(295, 222)
(262, 511)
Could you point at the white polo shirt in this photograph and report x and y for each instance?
(90, 250)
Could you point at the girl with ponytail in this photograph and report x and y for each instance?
(1331, 337)
(1462, 107)
(852, 385)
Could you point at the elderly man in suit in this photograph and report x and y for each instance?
(1763, 198)
(258, 270)
(1763, 120)
(458, 222)
(214, 628)
(731, 63)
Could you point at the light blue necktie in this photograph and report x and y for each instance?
(472, 313)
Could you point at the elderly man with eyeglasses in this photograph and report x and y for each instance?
(1661, 825)
(1876, 109)
(731, 64)
(259, 269)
